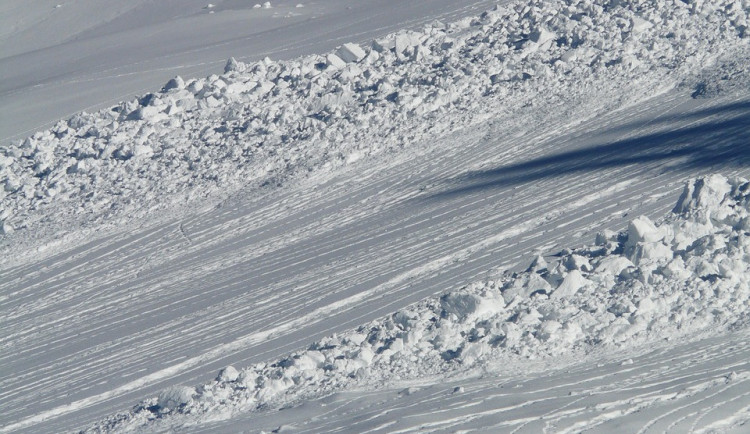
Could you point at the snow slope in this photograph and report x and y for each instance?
(523, 162)
(263, 123)
(685, 275)
(699, 386)
(89, 54)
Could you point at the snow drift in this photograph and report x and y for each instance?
(656, 280)
(198, 140)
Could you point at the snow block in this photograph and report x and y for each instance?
(537, 264)
(351, 53)
(642, 230)
(175, 83)
(542, 36)
(310, 360)
(384, 44)
(613, 265)
(148, 113)
(142, 151)
(466, 305)
(234, 66)
(335, 62)
(405, 41)
(525, 285)
(639, 25)
(651, 253)
(228, 374)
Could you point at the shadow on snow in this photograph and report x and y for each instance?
(715, 138)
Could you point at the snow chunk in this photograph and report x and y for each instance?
(537, 264)
(351, 53)
(613, 265)
(570, 285)
(542, 36)
(703, 193)
(142, 151)
(335, 62)
(643, 230)
(176, 397)
(405, 41)
(310, 360)
(466, 305)
(640, 24)
(175, 83)
(234, 66)
(228, 374)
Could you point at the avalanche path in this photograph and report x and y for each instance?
(250, 281)
(89, 328)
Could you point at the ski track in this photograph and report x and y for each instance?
(344, 251)
(684, 389)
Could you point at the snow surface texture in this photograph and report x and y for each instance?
(261, 124)
(109, 361)
(687, 273)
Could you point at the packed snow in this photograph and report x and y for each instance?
(231, 220)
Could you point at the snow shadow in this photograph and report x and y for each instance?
(715, 138)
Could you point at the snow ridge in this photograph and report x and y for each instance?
(687, 273)
(262, 124)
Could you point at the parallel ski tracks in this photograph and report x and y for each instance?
(337, 254)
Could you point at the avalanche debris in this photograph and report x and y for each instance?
(611, 294)
(268, 122)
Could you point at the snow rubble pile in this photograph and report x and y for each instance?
(688, 273)
(263, 123)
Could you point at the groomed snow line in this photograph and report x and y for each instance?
(197, 141)
(677, 277)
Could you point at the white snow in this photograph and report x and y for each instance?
(175, 398)
(185, 247)
(266, 122)
(351, 53)
(91, 54)
(487, 321)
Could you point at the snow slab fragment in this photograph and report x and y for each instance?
(351, 53)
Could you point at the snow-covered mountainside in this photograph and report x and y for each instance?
(234, 220)
(681, 276)
(59, 58)
(261, 123)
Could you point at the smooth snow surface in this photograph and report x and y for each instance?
(334, 230)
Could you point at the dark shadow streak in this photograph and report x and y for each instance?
(711, 144)
(723, 110)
